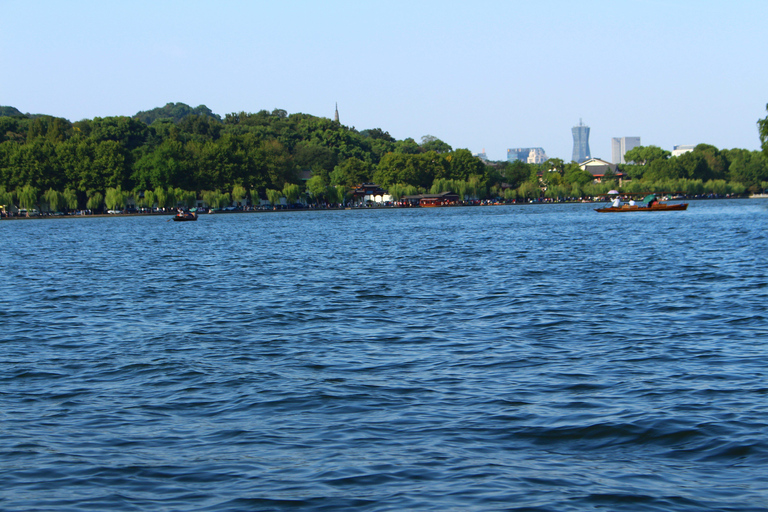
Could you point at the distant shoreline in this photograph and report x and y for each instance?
(170, 215)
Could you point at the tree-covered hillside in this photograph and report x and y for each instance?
(175, 112)
(258, 155)
(10, 112)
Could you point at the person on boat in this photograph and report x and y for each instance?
(631, 202)
(617, 202)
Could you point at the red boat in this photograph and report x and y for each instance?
(655, 207)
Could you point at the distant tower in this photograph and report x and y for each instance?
(336, 115)
(580, 143)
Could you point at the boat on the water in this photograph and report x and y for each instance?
(656, 207)
(649, 204)
(185, 216)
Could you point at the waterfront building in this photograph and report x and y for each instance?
(683, 148)
(619, 147)
(599, 168)
(580, 143)
(527, 155)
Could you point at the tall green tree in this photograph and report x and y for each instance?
(762, 127)
(351, 173)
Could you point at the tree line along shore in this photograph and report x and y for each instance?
(179, 156)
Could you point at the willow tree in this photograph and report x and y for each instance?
(161, 196)
(6, 198)
(115, 198)
(95, 200)
(53, 200)
(28, 196)
(273, 196)
(529, 190)
(238, 193)
(183, 197)
(69, 198)
(291, 192)
(214, 198)
(149, 199)
(400, 190)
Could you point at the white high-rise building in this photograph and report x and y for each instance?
(620, 145)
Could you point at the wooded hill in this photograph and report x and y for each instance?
(195, 150)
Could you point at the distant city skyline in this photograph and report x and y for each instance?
(527, 155)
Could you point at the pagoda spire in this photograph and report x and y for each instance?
(336, 115)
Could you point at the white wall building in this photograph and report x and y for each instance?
(683, 148)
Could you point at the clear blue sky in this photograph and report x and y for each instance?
(476, 74)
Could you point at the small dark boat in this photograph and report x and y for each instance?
(184, 216)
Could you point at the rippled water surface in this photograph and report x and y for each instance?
(543, 358)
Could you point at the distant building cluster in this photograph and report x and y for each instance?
(581, 151)
(527, 155)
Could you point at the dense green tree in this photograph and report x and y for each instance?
(575, 175)
(317, 188)
(407, 147)
(463, 165)
(175, 112)
(748, 167)
(643, 155)
(514, 173)
(351, 173)
(432, 143)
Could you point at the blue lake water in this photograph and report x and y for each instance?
(537, 358)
